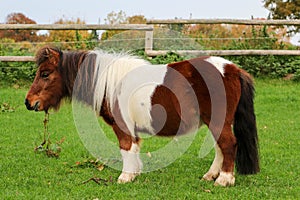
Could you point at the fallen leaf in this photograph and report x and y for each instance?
(100, 167)
(149, 154)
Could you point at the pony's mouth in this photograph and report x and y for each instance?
(35, 107)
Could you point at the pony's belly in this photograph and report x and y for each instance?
(167, 122)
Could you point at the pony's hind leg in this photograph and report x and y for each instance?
(222, 167)
(227, 145)
(216, 166)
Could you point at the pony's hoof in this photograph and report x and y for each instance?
(126, 177)
(210, 176)
(225, 179)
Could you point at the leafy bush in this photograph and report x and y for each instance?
(13, 72)
(167, 58)
(268, 66)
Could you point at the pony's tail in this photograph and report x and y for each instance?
(247, 158)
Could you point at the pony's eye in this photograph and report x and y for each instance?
(44, 75)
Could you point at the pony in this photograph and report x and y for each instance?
(205, 90)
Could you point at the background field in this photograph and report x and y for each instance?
(26, 175)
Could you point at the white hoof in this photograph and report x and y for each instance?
(126, 177)
(225, 179)
(210, 176)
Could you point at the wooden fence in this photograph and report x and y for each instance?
(149, 27)
(140, 27)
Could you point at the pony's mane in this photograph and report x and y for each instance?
(99, 76)
(110, 68)
(70, 63)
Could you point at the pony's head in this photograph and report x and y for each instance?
(46, 90)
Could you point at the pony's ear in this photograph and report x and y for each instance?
(48, 54)
(52, 55)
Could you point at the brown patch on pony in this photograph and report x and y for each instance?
(174, 95)
(121, 130)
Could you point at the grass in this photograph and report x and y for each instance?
(29, 175)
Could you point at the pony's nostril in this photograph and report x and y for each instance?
(35, 106)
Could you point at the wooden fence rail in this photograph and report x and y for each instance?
(225, 21)
(152, 53)
(17, 59)
(139, 27)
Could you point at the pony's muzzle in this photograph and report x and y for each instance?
(34, 107)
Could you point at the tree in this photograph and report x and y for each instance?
(137, 19)
(116, 18)
(19, 35)
(69, 39)
(112, 19)
(217, 36)
(284, 9)
(123, 40)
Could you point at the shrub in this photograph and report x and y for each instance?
(268, 66)
(12, 72)
(167, 58)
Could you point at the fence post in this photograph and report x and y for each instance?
(149, 40)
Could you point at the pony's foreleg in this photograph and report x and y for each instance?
(130, 149)
(132, 164)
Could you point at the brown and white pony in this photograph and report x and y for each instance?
(209, 90)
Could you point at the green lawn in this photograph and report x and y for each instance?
(29, 175)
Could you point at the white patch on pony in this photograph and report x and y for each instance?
(134, 96)
(225, 179)
(216, 166)
(218, 62)
(132, 164)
